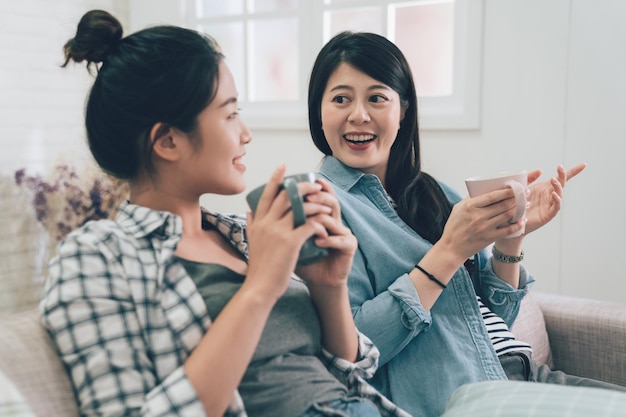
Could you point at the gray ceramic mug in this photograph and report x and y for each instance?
(310, 252)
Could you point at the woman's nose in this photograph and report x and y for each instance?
(246, 136)
(359, 113)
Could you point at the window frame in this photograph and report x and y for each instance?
(460, 111)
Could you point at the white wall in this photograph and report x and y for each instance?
(593, 261)
(552, 92)
(41, 104)
(41, 125)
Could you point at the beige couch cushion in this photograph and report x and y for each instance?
(587, 337)
(530, 327)
(28, 359)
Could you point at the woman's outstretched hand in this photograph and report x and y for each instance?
(544, 200)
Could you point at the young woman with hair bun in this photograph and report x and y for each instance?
(172, 309)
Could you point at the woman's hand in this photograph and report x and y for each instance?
(273, 243)
(476, 222)
(333, 269)
(544, 200)
(327, 278)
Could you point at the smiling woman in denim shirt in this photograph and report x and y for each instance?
(423, 286)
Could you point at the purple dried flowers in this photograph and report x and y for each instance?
(69, 200)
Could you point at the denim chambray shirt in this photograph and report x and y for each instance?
(424, 355)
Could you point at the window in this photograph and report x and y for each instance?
(270, 46)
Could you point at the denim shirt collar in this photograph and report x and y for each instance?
(340, 174)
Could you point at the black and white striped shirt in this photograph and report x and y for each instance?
(501, 337)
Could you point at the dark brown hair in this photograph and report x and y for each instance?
(162, 74)
(422, 204)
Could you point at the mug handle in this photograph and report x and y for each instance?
(520, 199)
(297, 203)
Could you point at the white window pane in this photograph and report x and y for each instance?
(258, 6)
(230, 37)
(340, 2)
(273, 69)
(425, 34)
(216, 8)
(360, 20)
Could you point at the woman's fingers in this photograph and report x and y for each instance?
(270, 190)
(276, 202)
(572, 172)
(495, 203)
(557, 185)
(489, 215)
(321, 208)
(534, 176)
(334, 234)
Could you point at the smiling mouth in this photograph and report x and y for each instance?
(359, 139)
(238, 160)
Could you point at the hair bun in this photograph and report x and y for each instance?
(98, 32)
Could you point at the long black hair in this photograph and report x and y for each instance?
(163, 74)
(421, 202)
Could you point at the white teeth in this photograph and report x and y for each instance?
(359, 138)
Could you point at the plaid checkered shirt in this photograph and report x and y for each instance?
(125, 315)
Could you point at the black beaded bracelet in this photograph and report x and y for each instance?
(507, 259)
(431, 277)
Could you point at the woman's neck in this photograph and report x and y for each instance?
(160, 198)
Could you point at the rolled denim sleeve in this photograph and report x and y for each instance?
(501, 297)
(392, 318)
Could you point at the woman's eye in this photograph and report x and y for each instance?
(340, 99)
(234, 114)
(378, 98)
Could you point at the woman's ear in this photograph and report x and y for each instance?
(163, 141)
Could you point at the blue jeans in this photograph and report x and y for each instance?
(345, 407)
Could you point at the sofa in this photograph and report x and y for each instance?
(576, 335)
